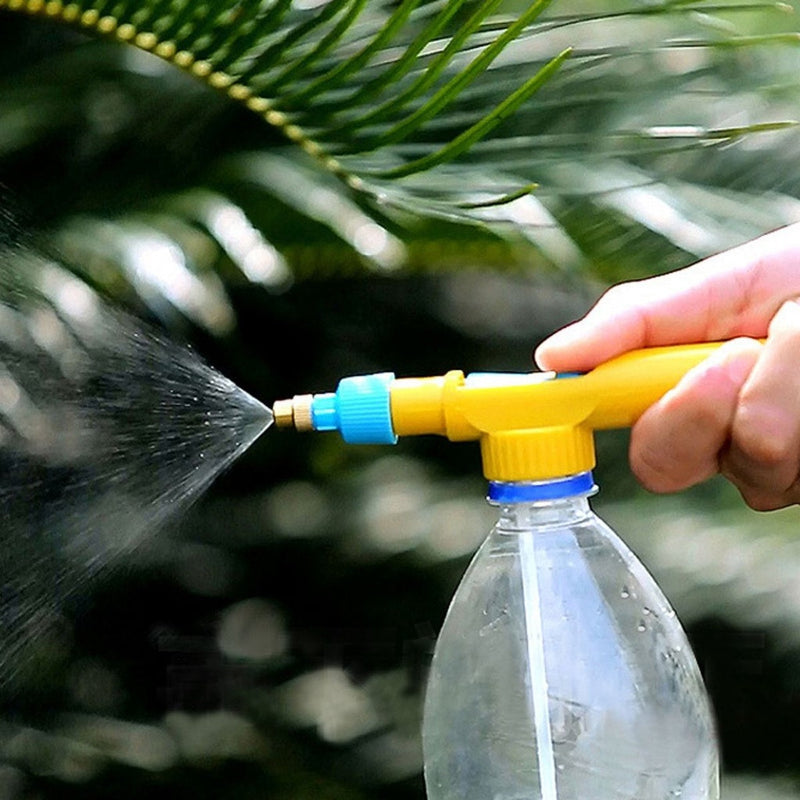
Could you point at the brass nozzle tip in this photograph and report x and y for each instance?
(294, 413)
(283, 414)
(301, 408)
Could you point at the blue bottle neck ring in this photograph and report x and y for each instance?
(580, 485)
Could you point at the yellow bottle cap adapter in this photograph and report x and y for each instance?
(531, 427)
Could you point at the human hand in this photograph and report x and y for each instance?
(738, 412)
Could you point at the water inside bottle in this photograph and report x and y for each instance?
(584, 690)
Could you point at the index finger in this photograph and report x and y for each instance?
(734, 293)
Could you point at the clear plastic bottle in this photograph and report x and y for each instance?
(561, 671)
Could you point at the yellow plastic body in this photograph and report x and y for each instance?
(540, 426)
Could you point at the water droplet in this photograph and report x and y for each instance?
(641, 627)
(646, 611)
(624, 593)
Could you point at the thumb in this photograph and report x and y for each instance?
(735, 293)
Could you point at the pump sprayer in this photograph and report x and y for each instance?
(533, 426)
(561, 672)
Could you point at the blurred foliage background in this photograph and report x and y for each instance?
(272, 641)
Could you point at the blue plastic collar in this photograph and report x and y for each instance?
(360, 410)
(532, 491)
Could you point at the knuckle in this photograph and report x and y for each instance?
(618, 296)
(698, 413)
(765, 450)
(703, 404)
(759, 439)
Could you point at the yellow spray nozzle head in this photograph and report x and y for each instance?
(535, 426)
(526, 431)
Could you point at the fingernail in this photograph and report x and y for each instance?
(567, 337)
(562, 340)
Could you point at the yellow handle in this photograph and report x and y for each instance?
(539, 426)
(628, 385)
(613, 395)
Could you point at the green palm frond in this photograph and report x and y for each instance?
(338, 78)
(379, 91)
(608, 140)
